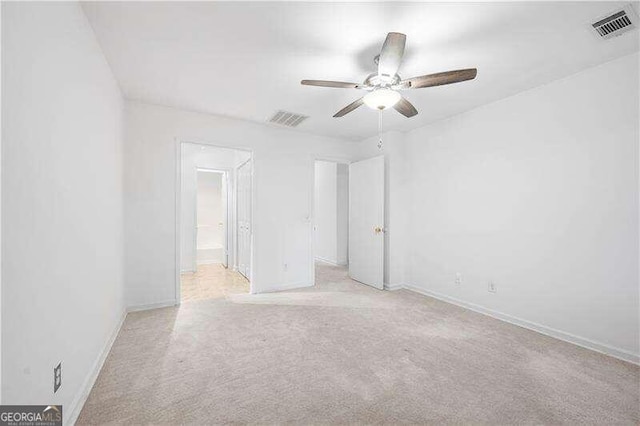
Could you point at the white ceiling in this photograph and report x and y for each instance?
(214, 157)
(246, 60)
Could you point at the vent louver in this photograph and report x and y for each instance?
(288, 119)
(616, 23)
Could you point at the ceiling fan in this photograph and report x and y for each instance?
(384, 85)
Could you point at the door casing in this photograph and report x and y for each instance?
(178, 197)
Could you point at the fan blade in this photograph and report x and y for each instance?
(405, 108)
(391, 54)
(326, 83)
(442, 78)
(346, 110)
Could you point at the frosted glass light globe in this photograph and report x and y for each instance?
(381, 99)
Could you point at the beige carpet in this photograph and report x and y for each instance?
(345, 353)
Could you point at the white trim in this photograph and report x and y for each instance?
(178, 193)
(243, 163)
(393, 287)
(194, 241)
(90, 380)
(248, 163)
(165, 304)
(337, 160)
(293, 286)
(311, 221)
(330, 262)
(234, 207)
(178, 207)
(548, 331)
(208, 170)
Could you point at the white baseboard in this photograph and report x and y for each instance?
(137, 308)
(393, 287)
(76, 406)
(548, 331)
(330, 262)
(291, 286)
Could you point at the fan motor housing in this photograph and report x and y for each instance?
(375, 80)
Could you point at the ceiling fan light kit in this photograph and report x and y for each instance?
(381, 99)
(384, 86)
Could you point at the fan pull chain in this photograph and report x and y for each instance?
(380, 130)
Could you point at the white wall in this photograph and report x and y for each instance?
(1, 79)
(283, 196)
(62, 203)
(342, 222)
(539, 193)
(331, 212)
(326, 211)
(210, 235)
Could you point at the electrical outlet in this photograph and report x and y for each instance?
(57, 377)
(492, 287)
(458, 278)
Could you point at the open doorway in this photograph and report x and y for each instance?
(331, 219)
(214, 222)
(211, 217)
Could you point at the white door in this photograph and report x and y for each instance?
(244, 219)
(366, 221)
(225, 219)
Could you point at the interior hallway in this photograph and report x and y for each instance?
(212, 281)
(341, 352)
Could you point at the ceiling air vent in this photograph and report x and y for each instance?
(616, 23)
(288, 119)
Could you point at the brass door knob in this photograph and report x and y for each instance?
(378, 229)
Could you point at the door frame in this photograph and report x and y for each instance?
(251, 217)
(312, 207)
(178, 197)
(225, 177)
